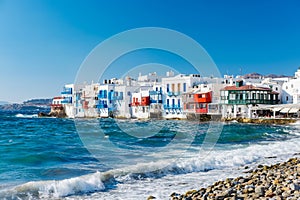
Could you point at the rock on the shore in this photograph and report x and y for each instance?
(279, 181)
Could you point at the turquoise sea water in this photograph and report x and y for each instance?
(49, 158)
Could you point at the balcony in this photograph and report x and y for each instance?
(166, 106)
(155, 101)
(102, 96)
(100, 106)
(66, 100)
(154, 92)
(173, 94)
(170, 94)
(252, 101)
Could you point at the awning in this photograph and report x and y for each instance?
(294, 110)
(285, 110)
(276, 109)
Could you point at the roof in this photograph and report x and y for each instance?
(246, 87)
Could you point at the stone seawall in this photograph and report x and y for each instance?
(261, 120)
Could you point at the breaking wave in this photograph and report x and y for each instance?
(103, 181)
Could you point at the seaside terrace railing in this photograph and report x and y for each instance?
(252, 101)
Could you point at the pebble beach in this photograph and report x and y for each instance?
(278, 181)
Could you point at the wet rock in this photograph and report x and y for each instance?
(151, 197)
(260, 191)
(279, 181)
(294, 187)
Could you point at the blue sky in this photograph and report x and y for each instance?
(44, 42)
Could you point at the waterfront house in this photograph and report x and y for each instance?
(140, 104)
(56, 104)
(89, 100)
(238, 100)
(291, 90)
(172, 88)
(105, 104)
(156, 103)
(195, 104)
(68, 96)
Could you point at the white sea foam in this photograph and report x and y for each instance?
(55, 189)
(26, 116)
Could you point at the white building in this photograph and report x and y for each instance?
(89, 100)
(140, 103)
(68, 100)
(172, 87)
(122, 100)
(156, 101)
(105, 103)
(291, 90)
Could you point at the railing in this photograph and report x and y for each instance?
(253, 101)
(155, 101)
(154, 92)
(102, 106)
(170, 93)
(66, 100)
(67, 91)
(172, 107)
(102, 96)
(173, 93)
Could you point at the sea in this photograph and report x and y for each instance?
(51, 158)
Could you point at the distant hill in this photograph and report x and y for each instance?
(38, 102)
(255, 75)
(30, 105)
(4, 102)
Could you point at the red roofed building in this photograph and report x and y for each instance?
(240, 98)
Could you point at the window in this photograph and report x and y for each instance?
(184, 87)
(287, 98)
(173, 87)
(276, 88)
(173, 102)
(168, 87)
(231, 96)
(128, 93)
(178, 87)
(168, 102)
(179, 103)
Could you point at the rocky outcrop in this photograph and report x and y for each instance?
(59, 113)
(279, 181)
